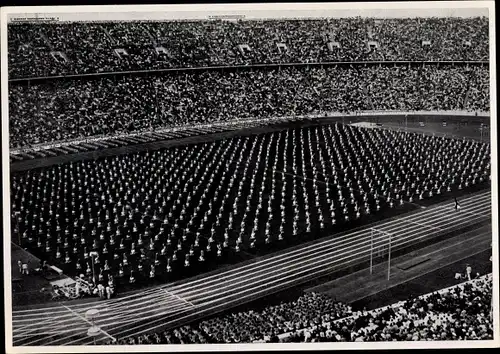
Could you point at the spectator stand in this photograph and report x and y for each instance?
(477, 282)
(266, 325)
(217, 101)
(133, 45)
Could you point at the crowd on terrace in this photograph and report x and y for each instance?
(462, 312)
(48, 49)
(62, 110)
(307, 310)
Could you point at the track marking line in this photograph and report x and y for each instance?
(180, 298)
(425, 225)
(475, 214)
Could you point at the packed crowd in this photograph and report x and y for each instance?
(458, 313)
(254, 325)
(169, 213)
(89, 47)
(57, 110)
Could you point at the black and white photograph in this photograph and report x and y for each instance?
(226, 177)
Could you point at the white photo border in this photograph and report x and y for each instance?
(129, 10)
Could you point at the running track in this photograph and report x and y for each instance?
(170, 305)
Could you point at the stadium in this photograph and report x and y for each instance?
(233, 180)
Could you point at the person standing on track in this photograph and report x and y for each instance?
(468, 272)
(457, 205)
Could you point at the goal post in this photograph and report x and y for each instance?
(387, 242)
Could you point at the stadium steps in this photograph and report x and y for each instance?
(39, 154)
(14, 158)
(90, 146)
(140, 139)
(26, 156)
(147, 138)
(119, 141)
(106, 144)
(80, 148)
(49, 152)
(65, 149)
(132, 139)
(71, 149)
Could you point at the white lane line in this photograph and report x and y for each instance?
(178, 297)
(424, 225)
(475, 214)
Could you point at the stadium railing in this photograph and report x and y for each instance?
(420, 113)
